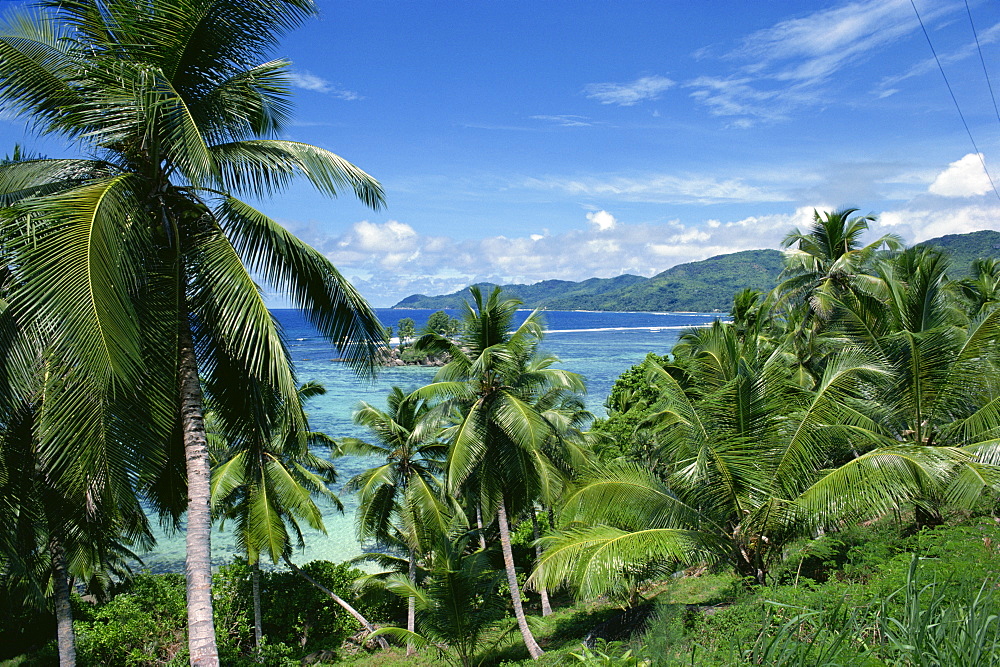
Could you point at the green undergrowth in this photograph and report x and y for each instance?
(869, 595)
(928, 599)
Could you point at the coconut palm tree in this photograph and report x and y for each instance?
(753, 460)
(981, 290)
(50, 537)
(829, 258)
(945, 366)
(408, 439)
(265, 483)
(140, 248)
(457, 601)
(497, 454)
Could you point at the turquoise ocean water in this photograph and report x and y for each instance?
(597, 345)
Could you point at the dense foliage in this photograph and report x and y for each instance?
(859, 396)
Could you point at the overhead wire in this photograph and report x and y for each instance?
(982, 60)
(954, 99)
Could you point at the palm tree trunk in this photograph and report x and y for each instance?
(198, 570)
(479, 525)
(411, 604)
(258, 632)
(542, 591)
(64, 611)
(339, 600)
(534, 650)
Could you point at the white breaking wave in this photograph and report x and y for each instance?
(647, 328)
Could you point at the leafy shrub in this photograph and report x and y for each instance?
(296, 613)
(143, 625)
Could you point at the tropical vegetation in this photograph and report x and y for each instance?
(820, 469)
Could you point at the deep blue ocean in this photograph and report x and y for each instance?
(597, 345)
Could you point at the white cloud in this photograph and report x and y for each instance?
(566, 120)
(391, 260)
(390, 237)
(887, 86)
(661, 188)
(690, 236)
(921, 223)
(962, 178)
(628, 94)
(603, 246)
(602, 220)
(308, 81)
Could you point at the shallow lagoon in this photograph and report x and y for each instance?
(597, 345)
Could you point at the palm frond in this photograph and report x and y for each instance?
(263, 167)
(312, 282)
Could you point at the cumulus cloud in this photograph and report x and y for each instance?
(628, 94)
(602, 220)
(921, 222)
(308, 81)
(391, 260)
(373, 237)
(962, 178)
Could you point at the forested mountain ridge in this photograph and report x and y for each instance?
(701, 286)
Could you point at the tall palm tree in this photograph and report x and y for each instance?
(140, 248)
(408, 439)
(497, 453)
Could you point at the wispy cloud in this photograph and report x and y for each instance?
(661, 188)
(790, 65)
(629, 94)
(888, 85)
(308, 81)
(566, 120)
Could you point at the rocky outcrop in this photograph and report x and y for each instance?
(399, 356)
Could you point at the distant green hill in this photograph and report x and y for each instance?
(703, 286)
(964, 249)
(552, 294)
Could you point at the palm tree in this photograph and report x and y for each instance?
(457, 601)
(141, 251)
(754, 460)
(981, 290)
(945, 366)
(408, 440)
(497, 453)
(51, 538)
(829, 257)
(265, 483)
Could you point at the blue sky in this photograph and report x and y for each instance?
(522, 141)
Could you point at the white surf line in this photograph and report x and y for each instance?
(647, 328)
